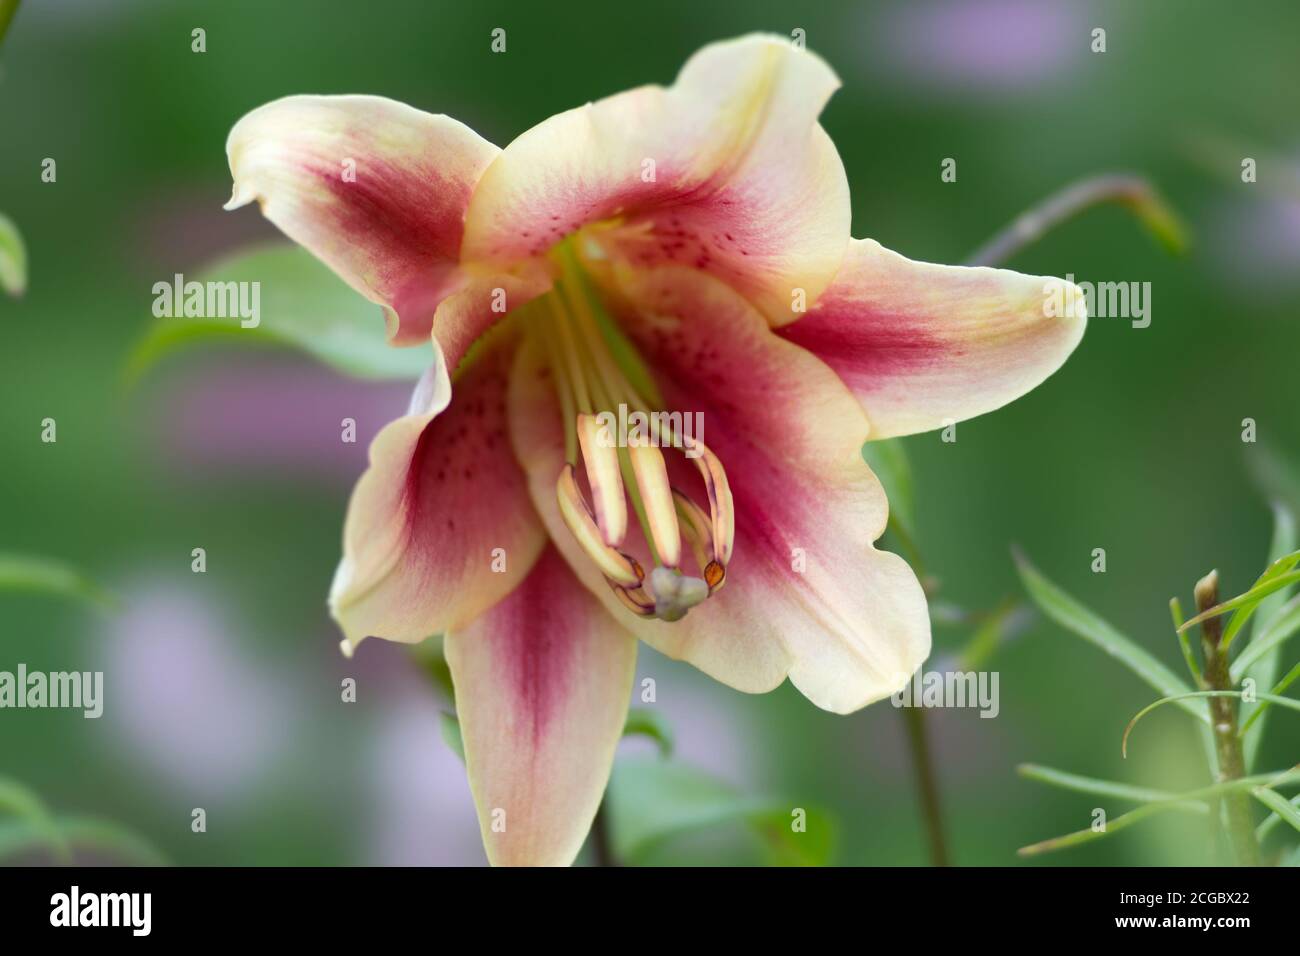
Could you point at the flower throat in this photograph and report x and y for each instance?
(600, 379)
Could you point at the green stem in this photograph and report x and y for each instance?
(1132, 192)
(927, 783)
(1223, 719)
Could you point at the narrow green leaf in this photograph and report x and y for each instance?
(302, 305)
(653, 801)
(1074, 617)
(25, 572)
(644, 722)
(1263, 661)
(1184, 644)
(1283, 701)
(889, 461)
(1181, 801)
(1261, 708)
(1101, 788)
(1275, 570)
(13, 258)
(1249, 598)
(1272, 635)
(1284, 811)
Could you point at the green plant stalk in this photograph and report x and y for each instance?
(927, 783)
(1223, 720)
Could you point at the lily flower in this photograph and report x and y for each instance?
(674, 250)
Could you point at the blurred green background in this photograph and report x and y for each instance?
(222, 689)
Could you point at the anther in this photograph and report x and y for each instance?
(615, 565)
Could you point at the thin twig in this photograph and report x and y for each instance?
(1130, 191)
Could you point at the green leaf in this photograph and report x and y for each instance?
(1273, 698)
(24, 572)
(13, 258)
(1284, 811)
(1262, 655)
(1073, 616)
(302, 305)
(651, 802)
(645, 722)
(1271, 636)
(889, 461)
(1181, 801)
(1261, 708)
(449, 727)
(1251, 598)
(83, 833)
(1101, 788)
(34, 817)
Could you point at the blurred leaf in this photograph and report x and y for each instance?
(1272, 582)
(1283, 701)
(653, 801)
(1262, 655)
(34, 818)
(303, 305)
(996, 627)
(645, 722)
(449, 727)
(13, 258)
(24, 572)
(1070, 614)
(81, 833)
(1101, 788)
(1283, 809)
(889, 461)
(7, 10)
(1179, 801)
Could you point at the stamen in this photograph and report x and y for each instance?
(721, 506)
(694, 524)
(657, 498)
(594, 367)
(600, 455)
(615, 565)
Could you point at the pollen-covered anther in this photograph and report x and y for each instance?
(617, 567)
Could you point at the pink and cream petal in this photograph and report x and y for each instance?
(924, 345)
(376, 189)
(726, 171)
(542, 683)
(440, 527)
